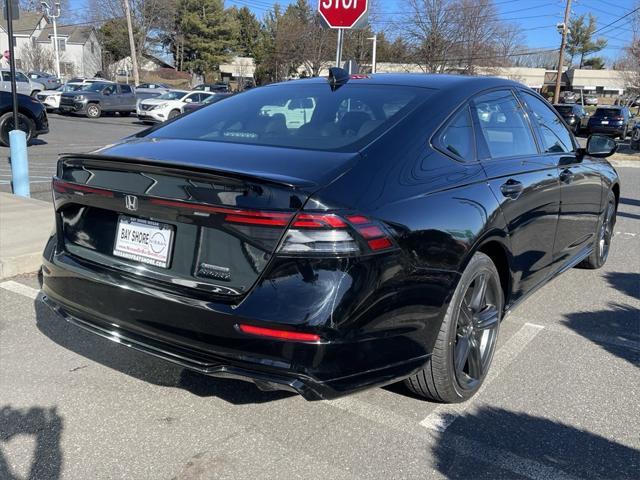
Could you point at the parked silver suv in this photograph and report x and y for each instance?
(24, 84)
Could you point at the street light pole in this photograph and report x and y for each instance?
(563, 44)
(373, 53)
(54, 16)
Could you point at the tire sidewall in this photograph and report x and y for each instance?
(479, 263)
(611, 203)
(4, 137)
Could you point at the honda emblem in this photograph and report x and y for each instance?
(131, 202)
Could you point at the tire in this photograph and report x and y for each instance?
(449, 376)
(125, 114)
(93, 110)
(604, 235)
(635, 139)
(173, 114)
(6, 125)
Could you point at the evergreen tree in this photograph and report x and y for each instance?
(580, 40)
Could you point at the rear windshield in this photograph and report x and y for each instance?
(564, 108)
(609, 112)
(300, 116)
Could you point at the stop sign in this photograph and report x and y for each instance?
(342, 13)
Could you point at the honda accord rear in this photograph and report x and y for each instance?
(319, 236)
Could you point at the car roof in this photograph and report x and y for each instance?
(425, 80)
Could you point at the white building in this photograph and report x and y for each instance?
(80, 52)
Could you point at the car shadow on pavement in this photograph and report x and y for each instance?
(627, 283)
(46, 426)
(491, 443)
(614, 329)
(146, 367)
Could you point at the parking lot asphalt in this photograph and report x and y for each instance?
(561, 401)
(67, 134)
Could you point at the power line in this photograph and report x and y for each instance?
(616, 21)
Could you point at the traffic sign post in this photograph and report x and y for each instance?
(342, 15)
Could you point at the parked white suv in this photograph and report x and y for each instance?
(51, 98)
(24, 84)
(168, 105)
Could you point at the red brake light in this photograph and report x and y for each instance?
(280, 334)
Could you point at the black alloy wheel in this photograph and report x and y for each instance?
(476, 331)
(467, 339)
(603, 237)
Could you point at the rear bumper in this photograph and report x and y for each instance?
(203, 335)
(608, 130)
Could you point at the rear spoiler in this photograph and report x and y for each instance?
(257, 176)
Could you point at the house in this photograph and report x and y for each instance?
(78, 47)
(80, 52)
(26, 30)
(239, 71)
(147, 62)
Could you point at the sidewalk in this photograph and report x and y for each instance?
(25, 225)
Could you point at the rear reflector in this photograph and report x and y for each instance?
(280, 334)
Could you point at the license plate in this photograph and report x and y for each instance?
(144, 241)
(605, 122)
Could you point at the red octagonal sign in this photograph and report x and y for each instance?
(342, 13)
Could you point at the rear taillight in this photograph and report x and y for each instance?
(322, 233)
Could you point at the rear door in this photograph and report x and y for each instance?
(525, 182)
(127, 99)
(581, 187)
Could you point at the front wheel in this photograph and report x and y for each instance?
(94, 110)
(604, 234)
(6, 125)
(467, 339)
(173, 114)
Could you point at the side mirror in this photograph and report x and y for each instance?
(188, 100)
(600, 146)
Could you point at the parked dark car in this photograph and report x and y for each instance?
(611, 120)
(568, 97)
(98, 97)
(32, 117)
(359, 248)
(50, 82)
(212, 87)
(575, 115)
(193, 106)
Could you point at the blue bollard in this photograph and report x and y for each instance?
(19, 163)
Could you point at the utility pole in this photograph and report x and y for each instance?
(373, 52)
(53, 16)
(563, 44)
(132, 43)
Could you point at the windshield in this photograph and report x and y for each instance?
(70, 87)
(301, 116)
(172, 95)
(609, 112)
(94, 87)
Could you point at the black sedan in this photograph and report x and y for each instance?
(193, 106)
(574, 114)
(367, 230)
(32, 117)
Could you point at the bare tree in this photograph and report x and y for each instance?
(36, 57)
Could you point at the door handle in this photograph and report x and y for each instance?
(511, 188)
(566, 176)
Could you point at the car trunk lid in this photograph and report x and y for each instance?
(217, 211)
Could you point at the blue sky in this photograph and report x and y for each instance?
(536, 17)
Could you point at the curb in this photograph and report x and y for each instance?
(20, 265)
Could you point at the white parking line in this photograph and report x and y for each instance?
(19, 288)
(444, 415)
